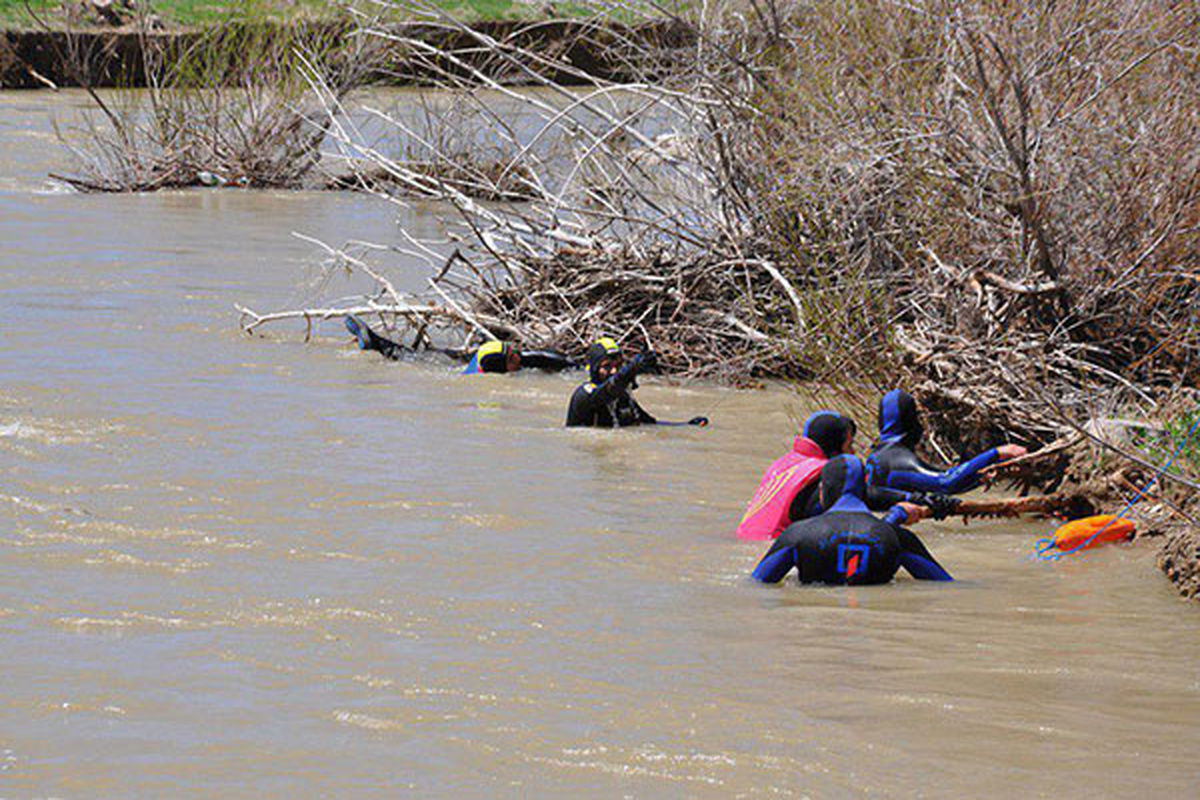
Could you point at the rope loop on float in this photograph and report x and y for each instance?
(1046, 550)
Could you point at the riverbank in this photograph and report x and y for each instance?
(108, 58)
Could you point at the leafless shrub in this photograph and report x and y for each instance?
(993, 204)
(231, 104)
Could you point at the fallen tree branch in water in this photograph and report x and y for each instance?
(425, 313)
(1067, 505)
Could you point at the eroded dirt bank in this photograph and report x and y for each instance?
(31, 59)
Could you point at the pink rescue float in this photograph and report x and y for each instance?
(767, 514)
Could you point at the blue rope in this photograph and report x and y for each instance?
(1042, 547)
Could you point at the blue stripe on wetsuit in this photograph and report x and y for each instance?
(891, 414)
(959, 479)
(473, 365)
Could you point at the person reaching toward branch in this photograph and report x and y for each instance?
(893, 463)
(789, 492)
(847, 544)
(606, 400)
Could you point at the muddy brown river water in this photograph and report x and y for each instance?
(251, 567)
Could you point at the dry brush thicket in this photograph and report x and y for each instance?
(225, 105)
(993, 203)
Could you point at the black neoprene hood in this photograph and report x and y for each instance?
(829, 430)
(600, 350)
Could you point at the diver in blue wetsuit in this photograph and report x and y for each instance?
(834, 434)
(847, 544)
(894, 464)
(494, 356)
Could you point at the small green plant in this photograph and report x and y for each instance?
(1183, 432)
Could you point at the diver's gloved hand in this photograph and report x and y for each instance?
(941, 505)
(646, 361)
(701, 421)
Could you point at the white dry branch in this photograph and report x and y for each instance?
(980, 201)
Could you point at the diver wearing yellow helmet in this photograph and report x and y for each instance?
(493, 356)
(605, 401)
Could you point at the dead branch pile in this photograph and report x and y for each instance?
(691, 310)
(995, 205)
(1020, 179)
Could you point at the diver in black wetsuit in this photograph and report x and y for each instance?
(492, 356)
(847, 544)
(893, 464)
(605, 400)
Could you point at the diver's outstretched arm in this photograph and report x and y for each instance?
(617, 383)
(952, 481)
(701, 422)
(550, 360)
(916, 558)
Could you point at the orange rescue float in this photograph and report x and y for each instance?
(1075, 535)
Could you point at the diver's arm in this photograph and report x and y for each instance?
(643, 416)
(897, 515)
(551, 360)
(917, 560)
(617, 384)
(882, 498)
(918, 477)
(905, 512)
(700, 422)
(778, 561)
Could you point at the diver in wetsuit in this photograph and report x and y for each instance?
(605, 401)
(494, 356)
(788, 490)
(847, 544)
(893, 464)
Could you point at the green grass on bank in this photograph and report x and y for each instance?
(184, 13)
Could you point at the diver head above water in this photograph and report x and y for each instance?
(898, 419)
(604, 359)
(844, 484)
(497, 356)
(832, 432)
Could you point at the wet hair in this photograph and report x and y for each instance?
(898, 418)
(840, 476)
(829, 430)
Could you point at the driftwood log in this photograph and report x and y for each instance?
(1065, 505)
